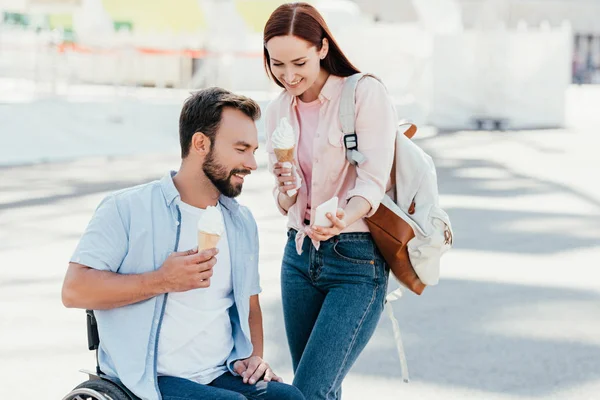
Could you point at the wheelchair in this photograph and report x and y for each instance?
(99, 386)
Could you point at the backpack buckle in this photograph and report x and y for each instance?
(351, 141)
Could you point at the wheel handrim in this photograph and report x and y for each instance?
(87, 394)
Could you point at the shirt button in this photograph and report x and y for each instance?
(176, 223)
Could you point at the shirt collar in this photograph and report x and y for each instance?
(329, 90)
(170, 193)
(230, 204)
(168, 187)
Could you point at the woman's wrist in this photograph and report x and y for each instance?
(357, 208)
(285, 201)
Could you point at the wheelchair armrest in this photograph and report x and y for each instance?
(92, 330)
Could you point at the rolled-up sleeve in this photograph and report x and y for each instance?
(270, 125)
(376, 125)
(104, 243)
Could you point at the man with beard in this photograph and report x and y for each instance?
(175, 322)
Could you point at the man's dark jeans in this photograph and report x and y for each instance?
(225, 387)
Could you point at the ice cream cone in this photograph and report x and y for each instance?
(207, 240)
(285, 155)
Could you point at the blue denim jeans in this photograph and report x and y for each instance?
(225, 387)
(332, 301)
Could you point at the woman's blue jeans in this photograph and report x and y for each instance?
(332, 301)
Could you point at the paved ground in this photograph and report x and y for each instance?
(516, 315)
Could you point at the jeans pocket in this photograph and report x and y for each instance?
(355, 251)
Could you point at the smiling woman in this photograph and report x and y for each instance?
(333, 278)
(301, 59)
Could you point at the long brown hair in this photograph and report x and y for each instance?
(304, 21)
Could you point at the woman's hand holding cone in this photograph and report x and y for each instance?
(287, 177)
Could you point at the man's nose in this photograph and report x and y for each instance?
(251, 163)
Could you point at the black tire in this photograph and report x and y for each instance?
(104, 387)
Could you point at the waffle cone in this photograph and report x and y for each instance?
(207, 240)
(284, 155)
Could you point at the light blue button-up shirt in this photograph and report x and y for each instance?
(133, 231)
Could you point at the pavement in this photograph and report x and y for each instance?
(516, 314)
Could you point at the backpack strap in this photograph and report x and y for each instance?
(354, 157)
(396, 295)
(347, 117)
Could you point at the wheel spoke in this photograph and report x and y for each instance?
(86, 394)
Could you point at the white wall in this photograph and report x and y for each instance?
(519, 76)
(400, 55)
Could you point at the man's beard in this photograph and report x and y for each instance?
(219, 176)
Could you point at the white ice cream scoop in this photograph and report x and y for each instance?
(211, 221)
(283, 136)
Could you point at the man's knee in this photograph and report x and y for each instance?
(282, 391)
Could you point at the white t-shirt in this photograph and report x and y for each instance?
(195, 337)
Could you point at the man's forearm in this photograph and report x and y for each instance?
(88, 288)
(256, 327)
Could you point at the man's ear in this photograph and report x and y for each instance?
(200, 143)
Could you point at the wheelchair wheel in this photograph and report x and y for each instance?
(97, 389)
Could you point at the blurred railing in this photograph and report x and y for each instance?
(124, 59)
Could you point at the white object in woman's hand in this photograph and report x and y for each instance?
(328, 207)
(322, 234)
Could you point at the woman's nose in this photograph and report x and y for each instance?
(289, 76)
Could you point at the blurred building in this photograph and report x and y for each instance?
(134, 42)
(454, 64)
(583, 15)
